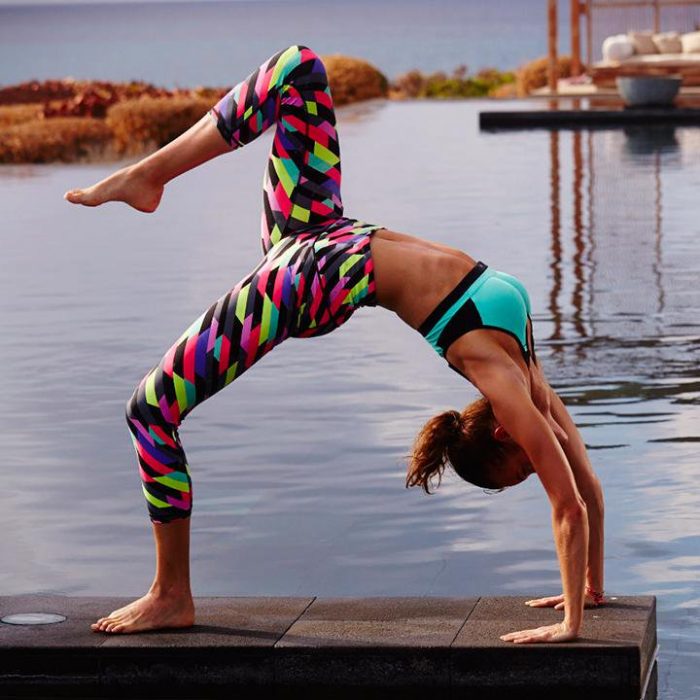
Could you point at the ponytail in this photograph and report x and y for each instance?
(430, 449)
(464, 440)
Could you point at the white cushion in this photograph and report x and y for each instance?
(691, 42)
(617, 48)
(643, 42)
(659, 60)
(668, 42)
(665, 59)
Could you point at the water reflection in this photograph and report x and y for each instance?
(608, 286)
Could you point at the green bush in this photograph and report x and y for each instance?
(441, 86)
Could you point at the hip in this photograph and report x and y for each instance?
(332, 273)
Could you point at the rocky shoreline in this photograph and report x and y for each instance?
(76, 120)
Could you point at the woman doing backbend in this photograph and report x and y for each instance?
(318, 267)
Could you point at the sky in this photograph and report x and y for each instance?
(96, 2)
(100, 2)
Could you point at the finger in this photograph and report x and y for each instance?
(512, 635)
(559, 606)
(540, 602)
(525, 635)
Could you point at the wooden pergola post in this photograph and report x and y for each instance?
(552, 64)
(575, 37)
(589, 32)
(657, 16)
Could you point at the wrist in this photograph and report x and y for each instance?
(598, 594)
(594, 582)
(569, 626)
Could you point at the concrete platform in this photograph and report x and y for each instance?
(586, 118)
(309, 647)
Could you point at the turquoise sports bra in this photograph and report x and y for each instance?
(483, 298)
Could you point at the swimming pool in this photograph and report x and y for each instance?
(298, 467)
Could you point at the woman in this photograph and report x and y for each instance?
(318, 267)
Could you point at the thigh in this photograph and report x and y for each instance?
(301, 185)
(234, 333)
(345, 272)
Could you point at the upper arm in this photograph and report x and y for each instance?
(514, 410)
(575, 450)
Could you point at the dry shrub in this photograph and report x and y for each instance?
(64, 139)
(17, 114)
(504, 92)
(149, 122)
(32, 91)
(352, 79)
(533, 75)
(411, 84)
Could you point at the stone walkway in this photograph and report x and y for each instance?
(312, 647)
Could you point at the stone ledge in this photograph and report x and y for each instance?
(307, 647)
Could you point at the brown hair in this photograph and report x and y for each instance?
(464, 440)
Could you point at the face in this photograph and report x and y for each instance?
(514, 468)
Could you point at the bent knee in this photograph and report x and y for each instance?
(138, 409)
(131, 408)
(302, 53)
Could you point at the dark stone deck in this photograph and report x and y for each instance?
(309, 647)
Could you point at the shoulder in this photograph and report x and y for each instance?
(485, 362)
(503, 384)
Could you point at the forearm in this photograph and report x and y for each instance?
(571, 539)
(590, 489)
(592, 494)
(596, 520)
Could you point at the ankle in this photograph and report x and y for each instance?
(147, 170)
(170, 590)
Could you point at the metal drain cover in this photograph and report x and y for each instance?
(32, 618)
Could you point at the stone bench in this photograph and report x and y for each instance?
(313, 647)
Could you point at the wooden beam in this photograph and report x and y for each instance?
(643, 3)
(589, 33)
(575, 37)
(552, 53)
(657, 22)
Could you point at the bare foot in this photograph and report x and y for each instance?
(149, 613)
(128, 185)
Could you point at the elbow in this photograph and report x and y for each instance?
(594, 498)
(572, 511)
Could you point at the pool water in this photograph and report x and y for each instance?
(299, 466)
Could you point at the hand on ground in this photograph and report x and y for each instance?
(548, 633)
(557, 602)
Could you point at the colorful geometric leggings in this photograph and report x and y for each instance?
(316, 271)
